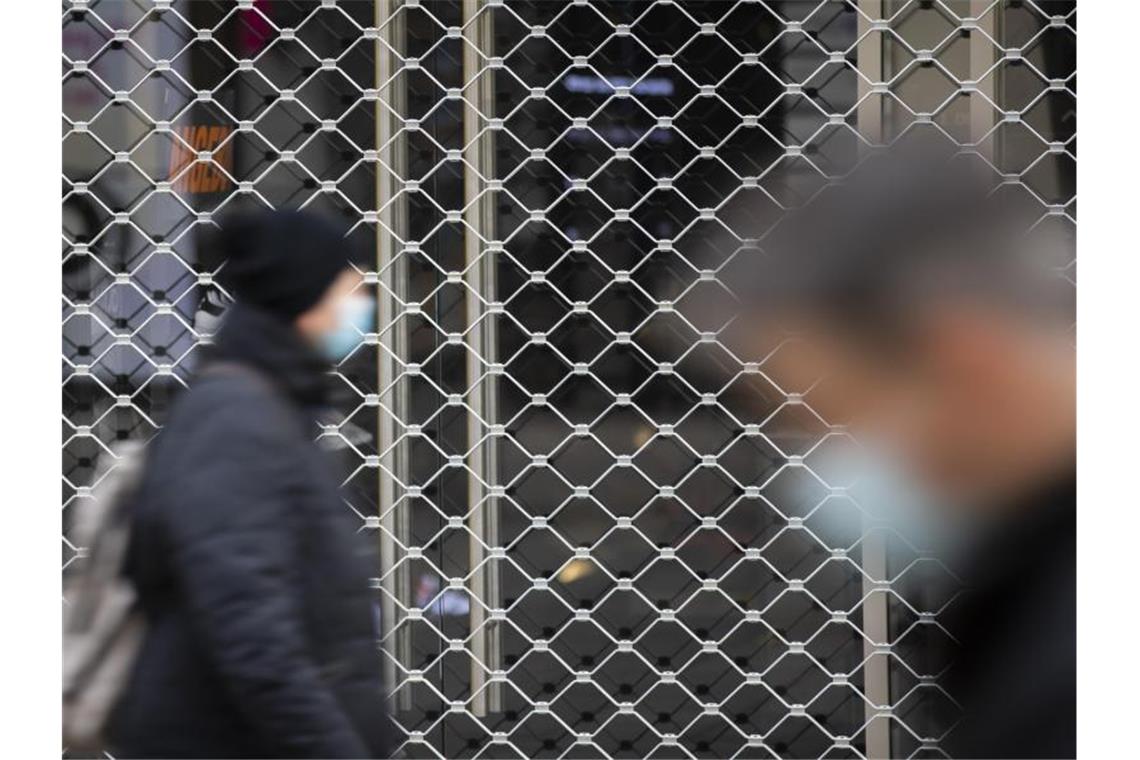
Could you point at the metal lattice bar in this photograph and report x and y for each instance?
(604, 522)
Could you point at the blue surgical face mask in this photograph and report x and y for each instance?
(355, 316)
(889, 494)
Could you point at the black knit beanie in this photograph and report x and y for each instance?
(280, 261)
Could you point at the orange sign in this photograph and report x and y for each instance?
(203, 176)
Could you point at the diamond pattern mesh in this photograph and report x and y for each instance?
(605, 529)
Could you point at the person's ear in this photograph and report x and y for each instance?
(315, 320)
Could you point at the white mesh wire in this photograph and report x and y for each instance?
(606, 530)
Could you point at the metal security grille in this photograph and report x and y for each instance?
(605, 528)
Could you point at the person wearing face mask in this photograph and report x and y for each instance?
(253, 577)
(940, 337)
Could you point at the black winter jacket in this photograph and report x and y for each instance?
(1016, 626)
(262, 638)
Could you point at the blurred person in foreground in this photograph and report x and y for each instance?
(940, 337)
(262, 638)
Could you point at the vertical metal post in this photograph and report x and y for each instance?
(983, 55)
(392, 274)
(876, 670)
(869, 59)
(479, 278)
(876, 673)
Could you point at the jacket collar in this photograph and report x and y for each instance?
(1032, 530)
(255, 337)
